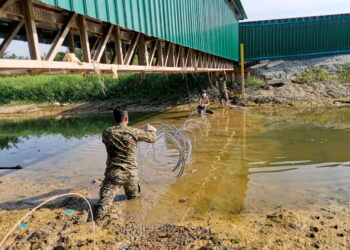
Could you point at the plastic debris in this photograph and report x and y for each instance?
(22, 226)
(69, 212)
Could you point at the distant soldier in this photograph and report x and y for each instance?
(121, 141)
(203, 103)
(223, 92)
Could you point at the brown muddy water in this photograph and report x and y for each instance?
(244, 160)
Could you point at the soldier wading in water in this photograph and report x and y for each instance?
(121, 141)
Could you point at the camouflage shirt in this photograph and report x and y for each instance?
(121, 142)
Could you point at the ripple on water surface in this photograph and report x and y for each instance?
(250, 159)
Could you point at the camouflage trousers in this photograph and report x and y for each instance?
(114, 179)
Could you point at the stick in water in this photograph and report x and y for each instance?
(15, 167)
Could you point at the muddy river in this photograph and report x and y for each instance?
(243, 160)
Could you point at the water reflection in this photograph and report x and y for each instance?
(247, 159)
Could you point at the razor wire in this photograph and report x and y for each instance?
(182, 139)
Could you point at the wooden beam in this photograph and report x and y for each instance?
(199, 60)
(177, 56)
(33, 66)
(131, 51)
(95, 44)
(153, 52)
(4, 5)
(71, 42)
(84, 39)
(104, 58)
(59, 39)
(32, 34)
(167, 52)
(181, 59)
(187, 57)
(171, 60)
(10, 36)
(119, 54)
(196, 60)
(193, 59)
(143, 53)
(160, 54)
(103, 43)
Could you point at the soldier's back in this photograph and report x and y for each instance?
(120, 143)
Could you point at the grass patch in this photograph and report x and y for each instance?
(313, 75)
(344, 73)
(78, 88)
(254, 82)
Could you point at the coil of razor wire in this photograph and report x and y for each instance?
(183, 139)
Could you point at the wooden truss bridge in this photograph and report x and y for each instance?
(100, 46)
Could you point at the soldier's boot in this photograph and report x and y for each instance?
(101, 218)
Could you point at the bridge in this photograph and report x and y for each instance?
(121, 36)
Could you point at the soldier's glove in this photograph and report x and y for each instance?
(151, 128)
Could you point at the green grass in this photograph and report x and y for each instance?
(344, 73)
(255, 82)
(313, 75)
(78, 88)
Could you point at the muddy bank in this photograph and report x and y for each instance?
(47, 109)
(301, 94)
(53, 227)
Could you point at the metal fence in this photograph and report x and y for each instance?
(296, 37)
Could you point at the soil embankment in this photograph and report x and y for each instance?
(302, 94)
(51, 228)
(320, 81)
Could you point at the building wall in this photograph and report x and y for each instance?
(297, 37)
(206, 25)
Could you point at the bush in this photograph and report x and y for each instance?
(78, 88)
(313, 75)
(255, 82)
(344, 72)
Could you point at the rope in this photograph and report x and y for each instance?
(99, 77)
(42, 204)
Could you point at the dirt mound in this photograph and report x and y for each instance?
(292, 92)
(294, 68)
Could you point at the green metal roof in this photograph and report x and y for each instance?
(237, 8)
(205, 25)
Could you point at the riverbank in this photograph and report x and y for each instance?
(50, 227)
(312, 94)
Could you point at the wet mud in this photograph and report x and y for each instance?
(52, 228)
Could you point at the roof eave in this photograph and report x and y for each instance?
(237, 8)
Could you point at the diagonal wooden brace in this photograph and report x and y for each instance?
(59, 39)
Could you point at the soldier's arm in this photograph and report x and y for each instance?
(145, 136)
(104, 136)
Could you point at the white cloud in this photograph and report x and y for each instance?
(272, 9)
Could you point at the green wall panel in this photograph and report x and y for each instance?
(296, 37)
(205, 25)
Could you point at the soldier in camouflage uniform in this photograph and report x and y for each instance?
(121, 141)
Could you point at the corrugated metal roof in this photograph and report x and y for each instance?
(206, 25)
(237, 8)
(296, 37)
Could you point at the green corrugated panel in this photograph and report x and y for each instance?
(296, 37)
(205, 25)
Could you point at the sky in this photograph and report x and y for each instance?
(256, 10)
(276, 9)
